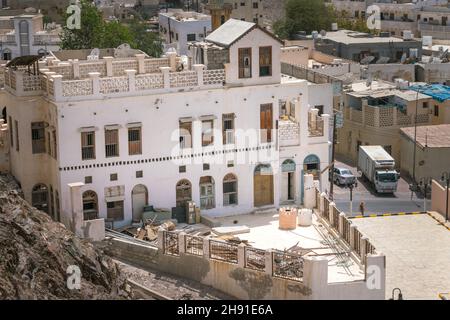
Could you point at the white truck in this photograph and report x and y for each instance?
(379, 168)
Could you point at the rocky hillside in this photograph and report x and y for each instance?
(35, 253)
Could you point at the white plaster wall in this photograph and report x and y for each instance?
(254, 39)
(159, 116)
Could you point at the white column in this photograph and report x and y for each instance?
(269, 262)
(140, 59)
(181, 242)
(131, 80)
(315, 276)
(166, 76)
(160, 243)
(309, 192)
(57, 86)
(172, 61)
(76, 200)
(199, 69)
(109, 66)
(95, 77)
(206, 247)
(76, 69)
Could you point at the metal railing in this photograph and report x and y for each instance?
(346, 229)
(357, 242)
(171, 243)
(335, 217)
(326, 209)
(370, 249)
(193, 245)
(255, 258)
(223, 251)
(287, 265)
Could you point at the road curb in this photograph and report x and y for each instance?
(388, 214)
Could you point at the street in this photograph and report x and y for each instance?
(375, 203)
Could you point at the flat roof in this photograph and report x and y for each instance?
(417, 255)
(353, 37)
(435, 136)
(265, 234)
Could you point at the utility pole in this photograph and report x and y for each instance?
(415, 143)
(351, 186)
(446, 178)
(333, 150)
(425, 183)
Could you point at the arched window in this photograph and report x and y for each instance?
(90, 205)
(58, 217)
(183, 192)
(39, 197)
(230, 192)
(311, 165)
(52, 206)
(207, 193)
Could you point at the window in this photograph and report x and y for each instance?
(356, 14)
(207, 133)
(425, 105)
(242, 4)
(16, 127)
(90, 205)
(230, 164)
(176, 36)
(255, 5)
(205, 166)
(207, 194)
(38, 137)
(39, 197)
(113, 177)
(49, 144)
(183, 192)
(265, 61)
(88, 145)
(436, 110)
(112, 142)
(185, 134)
(245, 62)
(55, 145)
(266, 123)
(182, 169)
(191, 37)
(255, 20)
(230, 190)
(134, 141)
(11, 137)
(139, 174)
(228, 128)
(114, 210)
(88, 179)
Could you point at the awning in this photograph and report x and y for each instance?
(114, 199)
(88, 129)
(113, 127)
(134, 125)
(186, 119)
(208, 117)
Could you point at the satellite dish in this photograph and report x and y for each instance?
(94, 55)
(367, 60)
(382, 60)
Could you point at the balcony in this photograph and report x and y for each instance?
(83, 80)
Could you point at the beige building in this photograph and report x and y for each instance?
(374, 114)
(432, 151)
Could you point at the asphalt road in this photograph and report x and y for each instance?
(375, 203)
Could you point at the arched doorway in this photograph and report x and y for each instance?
(139, 198)
(263, 185)
(183, 192)
(90, 205)
(39, 197)
(288, 180)
(207, 193)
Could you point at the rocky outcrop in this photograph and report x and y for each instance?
(35, 253)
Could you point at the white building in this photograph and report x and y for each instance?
(178, 27)
(24, 34)
(136, 131)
